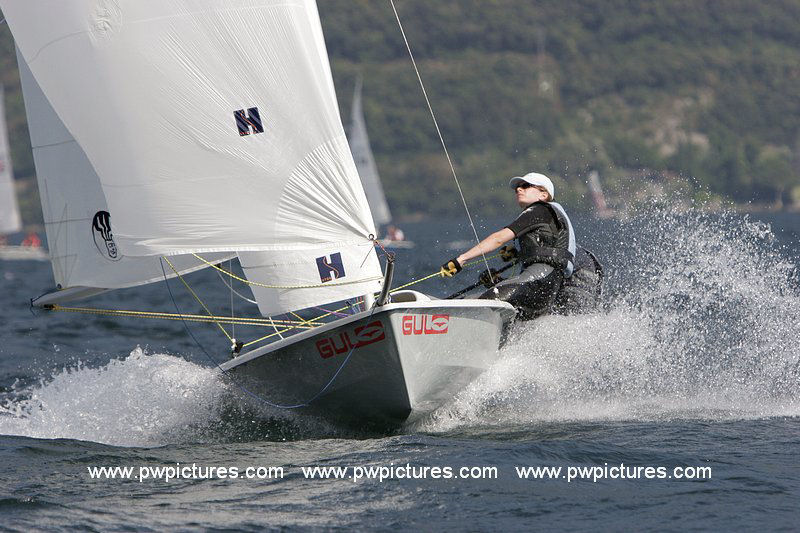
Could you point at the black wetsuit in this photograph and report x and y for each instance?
(552, 279)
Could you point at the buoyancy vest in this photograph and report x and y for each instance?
(549, 243)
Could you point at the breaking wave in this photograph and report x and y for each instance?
(141, 400)
(146, 400)
(702, 322)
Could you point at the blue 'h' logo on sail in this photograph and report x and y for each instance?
(332, 268)
(247, 122)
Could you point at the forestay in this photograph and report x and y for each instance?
(80, 238)
(9, 212)
(212, 126)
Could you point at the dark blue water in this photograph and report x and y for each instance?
(693, 363)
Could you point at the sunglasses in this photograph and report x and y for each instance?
(528, 185)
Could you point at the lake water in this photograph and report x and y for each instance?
(692, 369)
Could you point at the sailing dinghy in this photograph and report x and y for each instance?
(183, 133)
(368, 171)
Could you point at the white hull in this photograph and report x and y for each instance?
(406, 359)
(27, 253)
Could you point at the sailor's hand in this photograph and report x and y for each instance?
(450, 269)
(508, 253)
(489, 278)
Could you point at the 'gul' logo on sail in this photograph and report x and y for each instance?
(101, 233)
(342, 343)
(248, 123)
(330, 268)
(425, 324)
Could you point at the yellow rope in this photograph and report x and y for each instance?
(401, 287)
(256, 284)
(265, 337)
(303, 320)
(300, 323)
(312, 324)
(246, 321)
(219, 325)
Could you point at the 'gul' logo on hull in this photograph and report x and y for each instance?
(343, 343)
(425, 324)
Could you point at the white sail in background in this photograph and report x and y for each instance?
(71, 198)
(10, 221)
(365, 162)
(598, 198)
(212, 126)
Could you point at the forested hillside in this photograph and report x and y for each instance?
(695, 97)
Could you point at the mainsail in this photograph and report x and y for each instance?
(80, 238)
(212, 126)
(9, 212)
(365, 162)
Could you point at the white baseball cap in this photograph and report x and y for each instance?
(534, 179)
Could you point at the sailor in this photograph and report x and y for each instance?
(547, 253)
(393, 233)
(32, 240)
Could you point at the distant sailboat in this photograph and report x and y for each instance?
(598, 198)
(10, 221)
(368, 172)
(184, 133)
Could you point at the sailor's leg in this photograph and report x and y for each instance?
(532, 293)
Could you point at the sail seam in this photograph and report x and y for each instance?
(60, 143)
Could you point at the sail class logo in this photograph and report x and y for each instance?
(425, 324)
(103, 238)
(345, 341)
(330, 267)
(248, 123)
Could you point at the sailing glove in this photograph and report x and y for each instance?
(450, 269)
(508, 253)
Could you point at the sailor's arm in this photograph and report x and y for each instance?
(487, 245)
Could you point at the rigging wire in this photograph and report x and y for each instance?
(233, 325)
(275, 329)
(196, 297)
(242, 387)
(122, 313)
(230, 286)
(439, 132)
